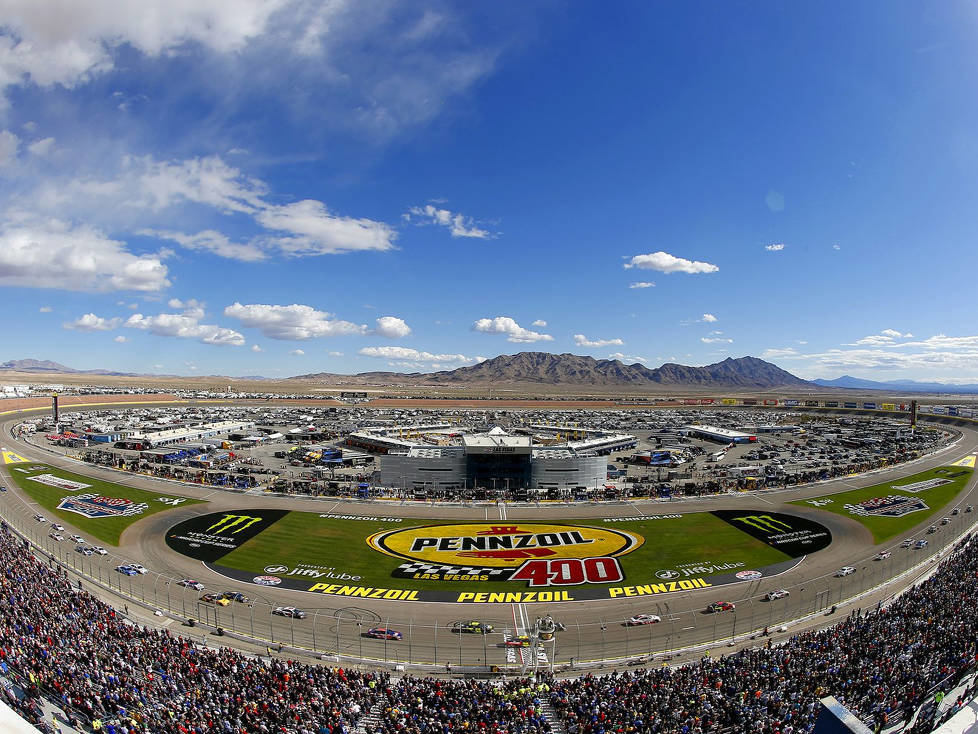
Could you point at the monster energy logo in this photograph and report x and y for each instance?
(764, 522)
(237, 522)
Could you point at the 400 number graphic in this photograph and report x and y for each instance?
(569, 572)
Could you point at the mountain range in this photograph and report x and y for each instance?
(572, 369)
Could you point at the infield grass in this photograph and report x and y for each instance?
(305, 538)
(884, 527)
(106, 529)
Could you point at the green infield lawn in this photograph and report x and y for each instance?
(883, 527)
(305, 538)
(106, 529)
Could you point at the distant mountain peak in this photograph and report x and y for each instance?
(572, 369)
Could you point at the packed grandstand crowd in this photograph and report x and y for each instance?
(111, 675)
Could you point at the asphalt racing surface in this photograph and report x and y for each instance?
(593, 630)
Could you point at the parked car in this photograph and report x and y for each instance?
(289, 612)
(642, 619)
(382, 633)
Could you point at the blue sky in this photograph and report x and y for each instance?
(287, 186)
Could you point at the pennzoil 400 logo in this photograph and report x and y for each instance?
(540, 554)
(95, 505)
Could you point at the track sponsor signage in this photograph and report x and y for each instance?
(796, 536)
(52, 481)
(502, 562)
(208, 537)
(93, 505)
(921, 486)
(893, 505)
(539, 554)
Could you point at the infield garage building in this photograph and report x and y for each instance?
(494, 460)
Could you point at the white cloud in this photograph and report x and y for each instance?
(642, 284)
(774, 248)
(256, 348)
(9, 145)
(312, 230)
(297, 353)
(63, 42)
(185, 326)
(786, 353)
(392, 327)
(208, 181)
(120, 339)
(41, 147)
(56, 254)
(45, 309)
(582, 341)
(131, 306)
(708, 318)
(887, 337)
(539, 323)
(666, 263)
(335, 354)
(514, 332)
(91, 322)
(836, 247)
(715, 340)
(212, 241)
(296, 321)
(411, 355)
(626, 357)
(458, 224)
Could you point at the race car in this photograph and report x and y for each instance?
(382, 633)
(518, 641)
(845, 571)
(235, 596)
(969, 508)
(99, 549)
(945, 521)
(40, 518)
(920, 544)
(191, 584)
(472, 626)
(57, 536)
(642, 619)
(59, 528)
(882, 555)
(289, 612)
(720, 606)
(127, 570)
(78, 539)
(907, 543)
(777, 594)
(138, 568)
(84, 550)
(214, 599)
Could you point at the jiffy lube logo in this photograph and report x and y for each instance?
(502, 544)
